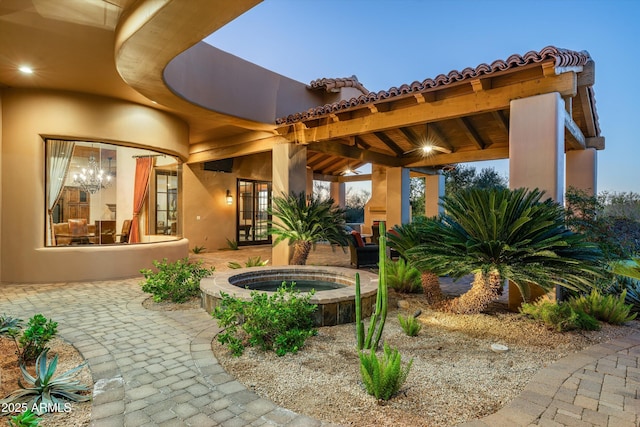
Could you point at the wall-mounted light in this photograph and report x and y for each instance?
(229, 198)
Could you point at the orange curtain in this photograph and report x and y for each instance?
(140, 190)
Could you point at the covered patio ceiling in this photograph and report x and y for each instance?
(462, 116)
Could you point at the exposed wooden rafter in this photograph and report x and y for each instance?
(389, 143)
(471, 132)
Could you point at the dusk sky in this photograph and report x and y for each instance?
(386, 43)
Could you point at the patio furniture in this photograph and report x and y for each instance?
(362, 254)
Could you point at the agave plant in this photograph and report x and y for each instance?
(44, 390)
(251, 262)
(500, 234)
(9, 325)
(304, 223)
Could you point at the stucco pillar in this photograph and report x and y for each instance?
(582, 170)
(536, 155)
(536, 144)
(433, 191)
(376, 208)
(338, 193)
(398, 207)
(289, 175)
(309, 182)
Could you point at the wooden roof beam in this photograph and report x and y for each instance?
(389, 143)
(585, 98)
(446, 108)
(502, 121)
(471, 132)
(365, 156)
(576, 138)
(460, 157)
(434, 130)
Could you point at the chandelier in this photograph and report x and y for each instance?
(92, 178)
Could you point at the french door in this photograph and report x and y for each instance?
(254, 200)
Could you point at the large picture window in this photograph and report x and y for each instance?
(105, 194)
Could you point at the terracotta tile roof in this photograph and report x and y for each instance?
(563, 58)
(331, 85)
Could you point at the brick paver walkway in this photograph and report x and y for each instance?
(156, 368)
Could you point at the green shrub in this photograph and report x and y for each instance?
(198, 249)
(251, 262)
(409, 325)
(177, 282)
(383, 377)
(232, 245)
(34, 338)
(608, 308)
(403, 277)
(43, 391)
(24, 419)
(561, 317)
(280, 322)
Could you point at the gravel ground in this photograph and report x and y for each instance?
(455, 376)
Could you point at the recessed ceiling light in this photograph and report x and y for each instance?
(26, 70)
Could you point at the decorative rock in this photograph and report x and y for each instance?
(499, 348)
(403, 304)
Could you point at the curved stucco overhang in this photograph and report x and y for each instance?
(153, 32)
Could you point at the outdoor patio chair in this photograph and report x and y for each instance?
(362, 254)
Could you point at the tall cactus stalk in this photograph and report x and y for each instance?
(379, 316)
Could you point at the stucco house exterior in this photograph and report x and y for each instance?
(194, 141)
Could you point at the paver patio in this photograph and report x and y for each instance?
(156, 368)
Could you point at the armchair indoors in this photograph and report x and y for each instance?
(124, 234)
(362, 254)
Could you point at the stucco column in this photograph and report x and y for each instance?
(536, 155)
(376, 208)
(337, 193)
(433, 191)
(582, 170)
(289, 175)
(536, 144)
(398, 207)
(309, 182)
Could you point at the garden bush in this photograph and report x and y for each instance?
(561, 317)
(608, 308)
(403, 277)
(409, 325)
(177, 282)
(280, 322)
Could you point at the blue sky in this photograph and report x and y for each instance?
(386, 43)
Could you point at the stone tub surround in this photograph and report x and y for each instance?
(335, 306)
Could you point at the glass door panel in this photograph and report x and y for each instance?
(254, 199)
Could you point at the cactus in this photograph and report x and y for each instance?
(379, 317)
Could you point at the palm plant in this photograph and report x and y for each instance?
(500, 234)
(304, 223)
(406, 236)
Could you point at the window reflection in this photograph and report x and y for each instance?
(90, 195)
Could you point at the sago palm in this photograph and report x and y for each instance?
(500, 234)
(304, 223)
(406, 236)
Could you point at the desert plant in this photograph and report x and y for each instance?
(34, 338)
(403, 277)
(561, 317)
(251, 262)
(404, 237)
(232, 245)
(379, 316)
(410, 324)
(608, 308)
(383, 377)
(304, 223)
(176, 282)
(281, 322)
(198, 249)
(44, 390)
(24, 419)
(9, 325)
(500, 234)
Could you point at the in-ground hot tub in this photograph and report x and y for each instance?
(335, 306)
